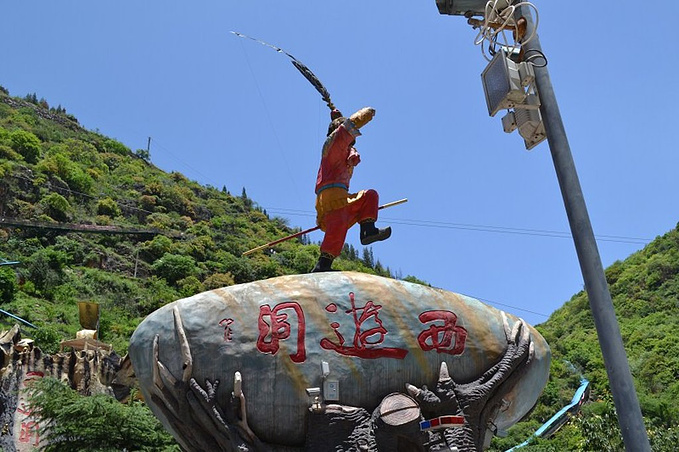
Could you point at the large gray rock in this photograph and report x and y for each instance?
(376, 334)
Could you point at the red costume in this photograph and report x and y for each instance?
(337, 209)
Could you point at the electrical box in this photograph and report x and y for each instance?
(331, 390)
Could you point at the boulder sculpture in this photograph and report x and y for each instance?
(337, 361)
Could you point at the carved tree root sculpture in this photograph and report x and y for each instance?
(478, 401)
(193, 411)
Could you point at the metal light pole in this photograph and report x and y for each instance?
(610, 340)
(608, 331)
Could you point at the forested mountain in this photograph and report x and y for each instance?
(91, 220)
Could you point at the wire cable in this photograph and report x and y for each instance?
(474, 227)
(498, 19)
(271, 124)
(506, 305)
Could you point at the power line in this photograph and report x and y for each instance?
(306, 213)
(85, 195)
(271, 123)
(476, 227)
(416, 223)
(506, 305)
(177, 159)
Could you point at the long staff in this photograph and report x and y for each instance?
(306, 231)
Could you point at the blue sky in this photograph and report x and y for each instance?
(485, 217)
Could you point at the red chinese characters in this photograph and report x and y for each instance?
(362, 336)
(228, 332)
(446, 337)
(274, 327)
(26, 428)
(367, 339)
(24, 409)
(29, 430)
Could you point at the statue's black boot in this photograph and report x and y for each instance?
(324, 263)
(370, 233)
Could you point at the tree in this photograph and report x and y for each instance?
(368, 257)
(247, 202)
(75, 423)
(32, 98)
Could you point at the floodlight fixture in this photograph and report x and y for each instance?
(528, 120)
(531, 127)
(502, 84)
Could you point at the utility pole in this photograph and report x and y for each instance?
(608, 331)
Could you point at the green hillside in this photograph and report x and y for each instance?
(90, 220)
(645, 292)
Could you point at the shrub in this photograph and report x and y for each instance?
(8, 153)
(44, 268)
(61, 165)
(239, 267)
(304, 260)
(56, 206)
(74, 249)
(8, 284)
(173, 267)
(47, 338)
(26, 144)
(189, 286)
(159, 294)
(108, 207)
(218, 280)
(157, 247)
(95, 423)
(416, 280)
(116, 147)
